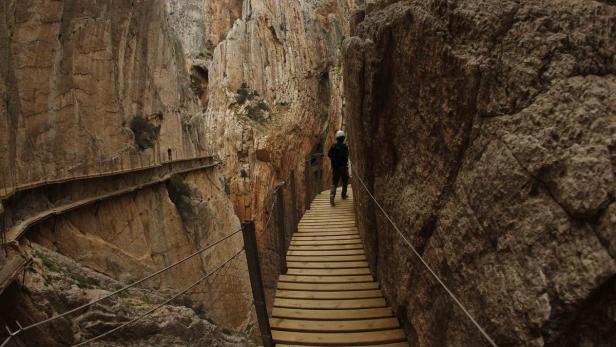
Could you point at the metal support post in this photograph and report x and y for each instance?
(294, 201)
(307, 184)
(256, 283)
(282, 233)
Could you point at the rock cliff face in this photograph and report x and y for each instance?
(90, 87)
(486, 129)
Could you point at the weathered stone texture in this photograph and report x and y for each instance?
(56, 283)
(74, 76)
(487, 131)
(75, 73)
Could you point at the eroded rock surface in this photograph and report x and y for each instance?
(54, 284)
(75, 77)
(487, 131)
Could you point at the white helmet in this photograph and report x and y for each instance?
(340, 134)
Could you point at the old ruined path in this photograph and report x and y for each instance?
(328, 296)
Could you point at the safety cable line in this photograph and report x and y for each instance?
(147, 313)
(121, 289)
(438, 279)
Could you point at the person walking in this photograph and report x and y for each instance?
(339, 156)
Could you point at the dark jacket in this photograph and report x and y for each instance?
(339, 155)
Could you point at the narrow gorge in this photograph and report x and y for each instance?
(137, 136)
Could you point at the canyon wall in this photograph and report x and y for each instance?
(94, 87)
(486, 129)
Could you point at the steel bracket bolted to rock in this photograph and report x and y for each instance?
(256, 283)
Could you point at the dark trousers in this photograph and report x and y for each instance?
(341, 173)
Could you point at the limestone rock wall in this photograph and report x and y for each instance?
(285, 56)
(75, 74)
(486, 129)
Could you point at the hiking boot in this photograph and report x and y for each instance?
(344, 197)
(331, 200)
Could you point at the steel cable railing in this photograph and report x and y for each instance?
(425, 264)
(34, 325)
(152, 310)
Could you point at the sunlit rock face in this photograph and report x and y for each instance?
(486, 130)
(257, 83)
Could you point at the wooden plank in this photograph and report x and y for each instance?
(363, 313)
(349, 237)
(320, 236)
(325, 279)
(334, 326)
(325, 242)
(326, 221)
(321, 295)
(337, 339)
(336, 217)
(328, 225)
(331, 258)
(332, 226)
(329, 272)
(322, 253)
(326, 265)
(334, 213)
(395, 344)
(325, 247)
(330, 304)
(327, 232)
(350, 217)
(328, 286)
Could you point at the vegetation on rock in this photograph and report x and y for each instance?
(145, 132)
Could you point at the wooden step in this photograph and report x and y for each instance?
(295, 242)
(325, 279)
(316, 232)
(351, 294)
(325, 247)
(324, 240)
(319, 218)
(326, 228)
(326, 265)
(347, 214)
(338, 339)
(332, 258)
(350, 237)
(329, 272)
(322, 253)
(362, 313)
(330, 304)
(327, 221)
(324, 232)
(327, 218)
(327, 287)
(395, 344)
(334, 326)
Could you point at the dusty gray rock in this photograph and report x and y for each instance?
(54, 284)
(487, 130)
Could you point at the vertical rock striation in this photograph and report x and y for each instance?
(98, 86)
(486, 129)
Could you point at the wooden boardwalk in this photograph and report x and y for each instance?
(328, 296)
